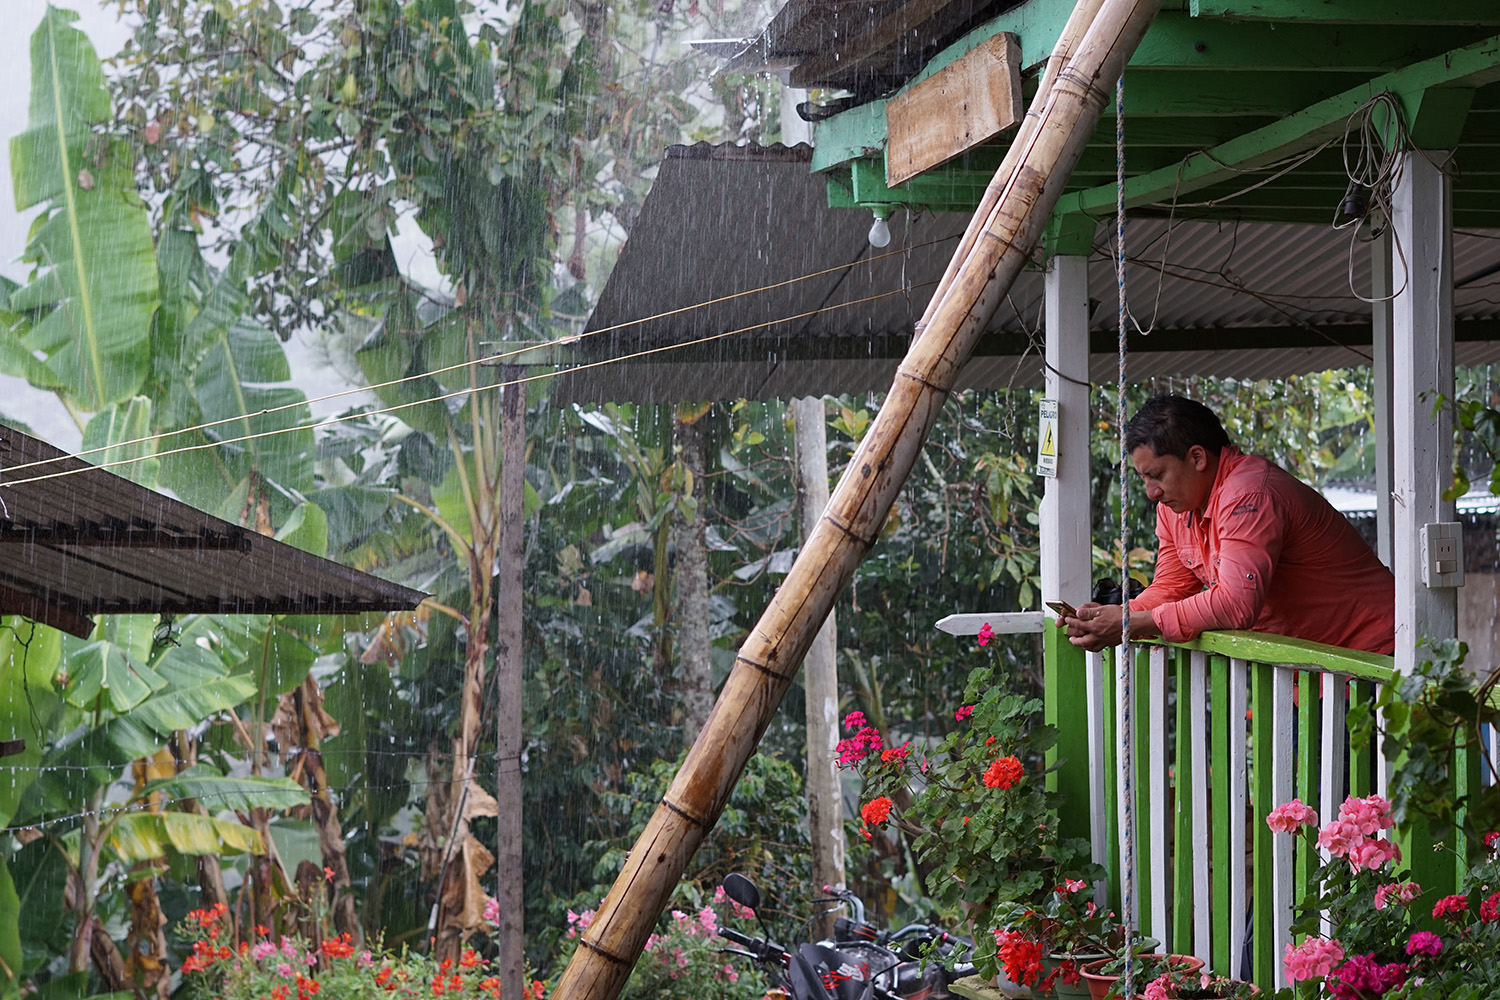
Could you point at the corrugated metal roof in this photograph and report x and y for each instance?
(739, 277)
(95, 543)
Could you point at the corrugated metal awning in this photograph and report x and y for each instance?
(741, 282)
(94, 543)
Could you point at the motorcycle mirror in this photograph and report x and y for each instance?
(743, 891)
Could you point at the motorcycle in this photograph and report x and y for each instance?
(860, 962)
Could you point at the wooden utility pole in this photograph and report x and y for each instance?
(509, 661)
(1030, 181)
(820, 674)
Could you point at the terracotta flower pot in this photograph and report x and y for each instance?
(1099, 982)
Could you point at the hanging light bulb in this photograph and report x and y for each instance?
(880, 232)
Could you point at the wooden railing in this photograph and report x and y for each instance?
(1226, 728)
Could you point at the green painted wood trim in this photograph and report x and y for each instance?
(1112, 780)
(1220, 819)
(1182, 806)
(1185, 42)
(1309, 764)
(1262, 750)
(1475, 12)
(1471, 65)
(1140, 709)
(855, 133)
(1065, 679)
(1361, 759)
(1286, 651)
(1467, 781)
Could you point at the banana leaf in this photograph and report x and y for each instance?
(90, 302)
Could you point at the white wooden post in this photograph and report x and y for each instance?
(1380, 325)
(1422, 367)
(1066, 542)
(820, 679)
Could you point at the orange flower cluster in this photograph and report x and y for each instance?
(876, 811)
(1003, 773)
(339, 947)
(205, 953)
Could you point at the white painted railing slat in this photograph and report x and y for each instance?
(1100, 761)
(1333, 756)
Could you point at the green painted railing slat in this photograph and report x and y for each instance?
(1262, 750)
(1142, 713)
(1112, 772)
(1182, 806)
(1361, 759)
(1219, 729)
(1309, 764)
(1066, 681)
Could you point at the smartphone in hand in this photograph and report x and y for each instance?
(1063, 609)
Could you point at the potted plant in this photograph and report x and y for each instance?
(1049, 945)
(1105, 977)
(1181, 985)
(980, 817)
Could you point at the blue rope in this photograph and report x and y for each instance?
(1127, 722)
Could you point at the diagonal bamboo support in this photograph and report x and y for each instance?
(1028, 185)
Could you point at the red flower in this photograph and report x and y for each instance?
(1489, 910)
(985, 634)
(1490, 839)
(1455, 905)
(964, 712)
(1003, 773)
(876, 811)
(1021, 957)
(470, 958)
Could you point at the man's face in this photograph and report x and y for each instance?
(1183, 484)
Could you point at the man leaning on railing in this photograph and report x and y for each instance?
(1242, 544)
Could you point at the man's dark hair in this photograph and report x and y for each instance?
(1170, 425)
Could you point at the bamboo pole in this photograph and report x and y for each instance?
(1030, 181)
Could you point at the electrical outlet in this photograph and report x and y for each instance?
(1443, 554)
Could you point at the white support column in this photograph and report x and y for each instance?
(1066, 531)
(1421, 368)
(1380, 324)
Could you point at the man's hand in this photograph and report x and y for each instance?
(1097, 626)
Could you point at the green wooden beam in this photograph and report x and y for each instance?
(1186, 42)
(1470, 66)
(1472, 12)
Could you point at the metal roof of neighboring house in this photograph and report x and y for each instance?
(94, 543)
(737, 276)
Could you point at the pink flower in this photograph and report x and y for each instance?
(492, 910)
(1362, 977)
(985, 634)
(1157, 989)
(854, 721)
(859, 746)
(1398, 892)
(1289, 816)
(1425, 943)
(1456, 905)
(1373, 854)
(263, 949)
(964, 712)
(1313, 958)
(1369, 815)
(284, 970)
(709, 919)
(1338, 837)
(1074, 884)
(365, 959)
(729, 973)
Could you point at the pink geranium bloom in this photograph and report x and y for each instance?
(1312, 959)
(1338, 837)
(1397, 892)
(1373, 854)
(1290, 816)
(1368, 815)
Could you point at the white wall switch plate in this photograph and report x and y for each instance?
(1443, 554)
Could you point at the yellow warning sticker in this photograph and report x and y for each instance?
(1046, 453)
